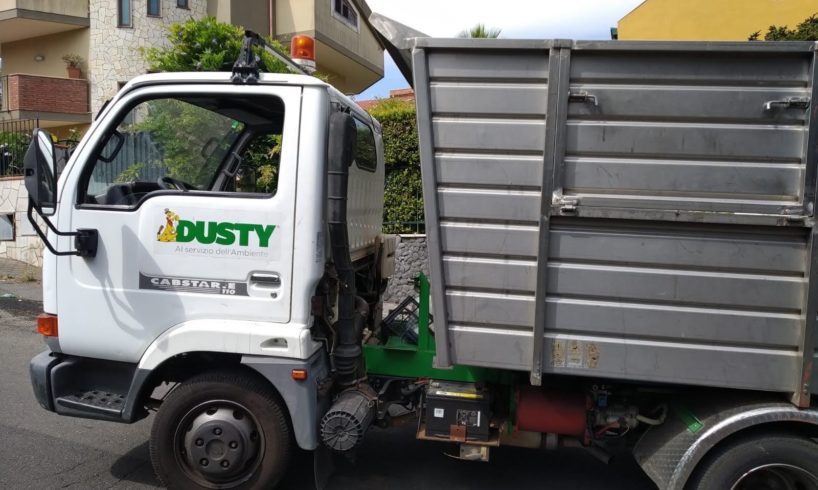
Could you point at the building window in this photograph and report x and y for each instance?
(124, 13)
(153, 8)
(6, 227)
(343, 11)
(182, 4)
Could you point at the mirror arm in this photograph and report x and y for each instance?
(86, 240)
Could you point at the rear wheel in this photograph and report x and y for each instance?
(220, 430)
(766, 462)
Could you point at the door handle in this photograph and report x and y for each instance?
(796, 102)
(266, 279)
(584, 97)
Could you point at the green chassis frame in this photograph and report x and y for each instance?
(400, 359)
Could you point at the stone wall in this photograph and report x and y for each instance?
(27, 246)
(411, 258)
(114, 56)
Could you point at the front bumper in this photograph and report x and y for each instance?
(40, 371)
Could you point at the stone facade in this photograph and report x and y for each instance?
(14, 201)
(114, 55)
(411, 258)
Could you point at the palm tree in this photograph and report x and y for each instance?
(481, 31)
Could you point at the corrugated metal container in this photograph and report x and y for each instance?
(630, 210)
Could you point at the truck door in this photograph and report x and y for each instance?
(192, 191)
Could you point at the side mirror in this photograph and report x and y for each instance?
(40, 170)
(112, 148)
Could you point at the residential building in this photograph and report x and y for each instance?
(107, 37)
(710, 20)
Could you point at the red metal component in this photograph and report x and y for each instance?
(554, 412)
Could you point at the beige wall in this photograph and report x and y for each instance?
(295, 16)
(219, 9)
(250, 14)
(362, 42)
(18, 57)
(76, 8)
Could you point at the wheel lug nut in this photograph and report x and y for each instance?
(225, 464)
(199, 442)
(217, 431)
(204, 462)
(234, 444)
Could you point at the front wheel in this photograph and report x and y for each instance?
(761, 462)
(220, 430)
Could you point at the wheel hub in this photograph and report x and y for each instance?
(221, 442)
(776, 477)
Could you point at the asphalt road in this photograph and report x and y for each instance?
(41, 450)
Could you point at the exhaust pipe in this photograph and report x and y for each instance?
(341, 151)
(347, 420)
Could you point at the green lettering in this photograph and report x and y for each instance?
(206, 232)
(264, 233)
(226, 235)
(185, 231)
(244, 233)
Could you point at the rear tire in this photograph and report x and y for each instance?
(760, 462)
(220, 430)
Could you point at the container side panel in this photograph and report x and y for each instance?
(691, 131)
(674, 302)
(639, 283)
(487, 117)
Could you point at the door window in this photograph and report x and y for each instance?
(201, 144)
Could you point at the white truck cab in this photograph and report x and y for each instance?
(208, 202)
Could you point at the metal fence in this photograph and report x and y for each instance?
(14, 138)
(138, 159)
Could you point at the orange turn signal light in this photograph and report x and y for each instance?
(299, 374)
(47, 324)
(302, 47)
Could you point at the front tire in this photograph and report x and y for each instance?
(761, 462)
(220, 430)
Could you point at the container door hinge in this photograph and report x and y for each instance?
(795, 214)
(567, 205)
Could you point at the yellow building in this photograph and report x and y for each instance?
(711, 20)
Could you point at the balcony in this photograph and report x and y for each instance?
(25, 19)
(52, 101)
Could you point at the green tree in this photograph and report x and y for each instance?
(481, 31)
(210, 45)
(805, 31)
(403, 201)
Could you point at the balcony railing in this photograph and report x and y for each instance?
(38, 94)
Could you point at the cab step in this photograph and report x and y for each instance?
(99, 402)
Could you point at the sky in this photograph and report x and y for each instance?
(521, 19)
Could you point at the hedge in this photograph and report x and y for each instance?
(403, 202)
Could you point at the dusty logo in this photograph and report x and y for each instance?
(179, 230)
